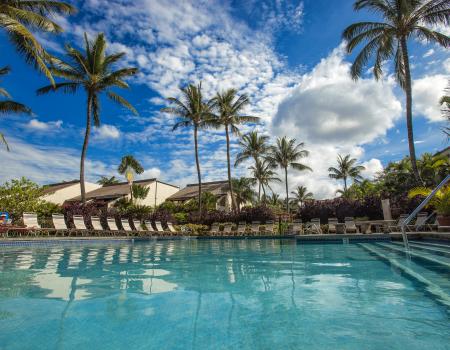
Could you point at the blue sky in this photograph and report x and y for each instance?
(289, 58)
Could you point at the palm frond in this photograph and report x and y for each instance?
(121, 101)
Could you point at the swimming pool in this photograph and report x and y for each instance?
(225, 294)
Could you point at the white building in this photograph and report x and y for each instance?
(109, 194)
(58, 193)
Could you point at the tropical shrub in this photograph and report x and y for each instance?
(23, 195)
(247, 214)
(194, 229)
(440, 201)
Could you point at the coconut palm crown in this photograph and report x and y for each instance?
(402, 20)
(22, 18)
(192, 112)
(346, 169)
(285, 154)
(263, 174)
(9, 106)
(92, 70)
(230, 108)
(301, 195)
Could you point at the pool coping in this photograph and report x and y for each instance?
(302, 239)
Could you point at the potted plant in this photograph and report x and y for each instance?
(440, 202)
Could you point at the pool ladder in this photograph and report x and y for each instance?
(418, 209)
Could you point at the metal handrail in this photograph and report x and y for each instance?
(418, 209)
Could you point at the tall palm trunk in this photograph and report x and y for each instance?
(259, 191)
(85, 145)
(287, 189)
(345, 183)
(233, 200)
(198, 172)
(409, 124)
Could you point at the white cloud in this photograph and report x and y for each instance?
(373, 166)
(105, 132)
(46, 164)
(37, 125)
(334, 115)
(429, 53)
(426, 94)
(150, 173)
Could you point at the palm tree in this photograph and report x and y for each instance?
(445, 103)
(193, 112)
(106, 181)
(346, 169)
(93, 71)
(230, 107)
(263, 174)
(253, 146)
(21, 18)
(403, 19)
(287, 154)
(129, 166)
(301, 194)
(9, 106)
(243, 191)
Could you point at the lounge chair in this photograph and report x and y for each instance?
(268, 228)
(397, 227)
(332, 222)
(59, 223)
(297, 227)
(172, 229)
(242, 228)
(420, 223)
(255, 228)
(350, 226)
(138, 227)
(313, 227)
(214, 230)
(32, 226)
(112, 226)
(227, 229)
(161, 229)
(97, 225)
(126, 226)
(150, 230)
(80, 226)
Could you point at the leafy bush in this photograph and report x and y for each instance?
(181, 218)
(248, 214)
(23, 195)
(194, 229)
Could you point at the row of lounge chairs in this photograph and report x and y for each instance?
(60, 227)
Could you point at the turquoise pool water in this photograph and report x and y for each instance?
(224, 294)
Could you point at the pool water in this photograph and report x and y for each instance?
(225, 294)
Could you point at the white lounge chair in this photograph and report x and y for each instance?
(172, 229)
(350, 226)
(227, 229)
(332, 222)
(297, 227)
(161, 229)
(268, 228)
(97, 225)
(149, 226)
(255, 228)
(313, 227)
(242, 229)
(30, 220)
(112, 226)
(215, 229)
(80, 226)
(126, 226)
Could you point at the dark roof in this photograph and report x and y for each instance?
(445, 151)
(52, 188)
(218, 188)
(113, 191)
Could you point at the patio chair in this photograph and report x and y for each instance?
(397, 227)
(227, 229)
(420, 222)
(32, 226)
(126, 226)
(268, 228)
(150, 230)
(242, 228)
(97, 226)
(161, 230)
(138, 227)
(59, 223)
(255, 228)
(215, 229)
(313, 227)
(297, 227)
(80, 226)
(332, 222)
(350, 226)
(112, 226)
(172, 229)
